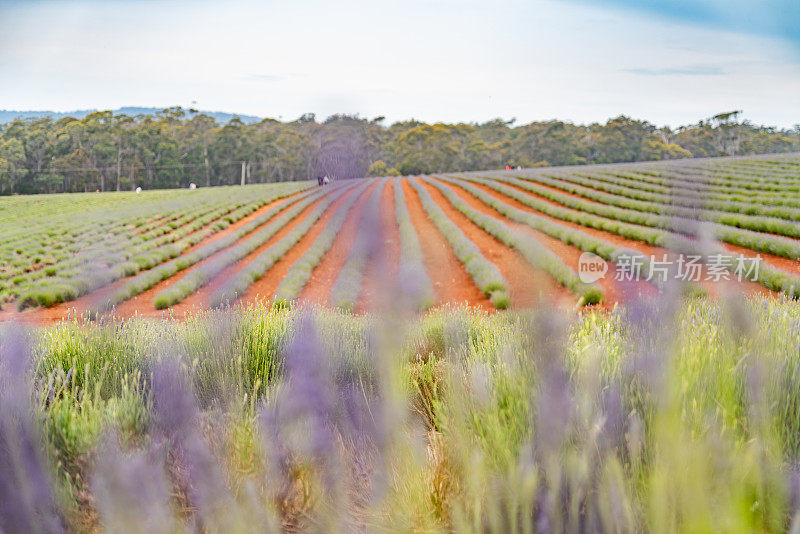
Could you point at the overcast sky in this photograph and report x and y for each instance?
(671, 62)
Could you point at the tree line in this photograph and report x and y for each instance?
(175, 147)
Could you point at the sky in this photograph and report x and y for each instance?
(671, 62)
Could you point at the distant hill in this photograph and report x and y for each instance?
(219, 116)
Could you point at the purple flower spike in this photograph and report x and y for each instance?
(131, 491)
(26, 499)
(175, 406)
(194, 466)
(309, 395)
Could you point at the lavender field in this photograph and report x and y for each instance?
(509, 267)
(675, 415)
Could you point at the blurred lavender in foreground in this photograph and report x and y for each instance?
(27, 503)
(131, 490)
(177, 429)
(670, 415)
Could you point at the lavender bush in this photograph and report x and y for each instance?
(531, 249)
(238, 284)
(414, 280)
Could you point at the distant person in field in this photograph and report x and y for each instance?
(319, 180)
(326, 180)
(508, 167)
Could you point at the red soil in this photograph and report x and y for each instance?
(779, 262)
(241, 222)
(569, 254)
(104, 291)
(142, 304)
(450, 279)
(201, 298)
(318, 288)
(527, 285)
(615, 291)
(452, 284)
(575, 195)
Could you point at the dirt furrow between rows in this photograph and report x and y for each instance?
(243, 221)
(142, 304)
(86, 302)
(779, 262)
(615, 290)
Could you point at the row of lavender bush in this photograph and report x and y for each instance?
(201, 275)
(148, 279)
(531, 249)
(366, 246)
(253, 271)
(300, 273)
(413, 277)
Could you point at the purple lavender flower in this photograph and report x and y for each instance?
(173, 400)
(131, 492)
(308, 396)
(793, 483)
(553, 403)
(612, 434)
(27, 503)
(177, 418)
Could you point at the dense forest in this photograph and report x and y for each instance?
(111, 152)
